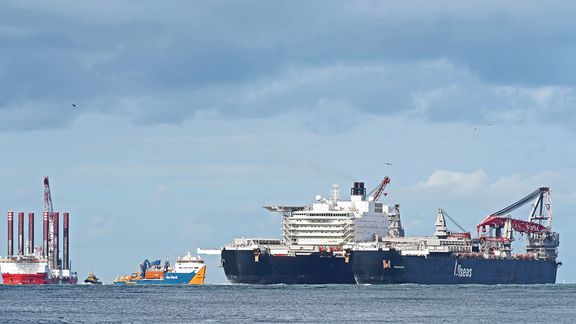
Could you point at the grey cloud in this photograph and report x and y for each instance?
(165, 64)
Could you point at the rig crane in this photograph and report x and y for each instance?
(47, 197)
(52, 252)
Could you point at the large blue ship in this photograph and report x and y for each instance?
(362, 241)
(457, 258)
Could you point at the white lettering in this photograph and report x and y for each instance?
(462, 272)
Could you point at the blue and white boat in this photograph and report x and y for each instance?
(188, 270)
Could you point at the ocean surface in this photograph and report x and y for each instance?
(289, 303)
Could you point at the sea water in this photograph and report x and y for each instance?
(289, 303)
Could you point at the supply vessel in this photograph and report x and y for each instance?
(38, 265)
(187, 270)
(310, 251)
(457, 258)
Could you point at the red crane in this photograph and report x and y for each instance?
(518, 225)
(379, 190)
(541, 211)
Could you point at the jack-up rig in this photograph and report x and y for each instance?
(42, 264)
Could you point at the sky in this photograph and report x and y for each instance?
(167, 126)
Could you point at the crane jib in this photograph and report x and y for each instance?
(518, 225)
(522, 201)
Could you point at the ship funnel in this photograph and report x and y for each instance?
(10, 233)
(358, 190)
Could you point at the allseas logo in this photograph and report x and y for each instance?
(462, 272)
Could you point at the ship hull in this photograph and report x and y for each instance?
(171, 278)
(67, 281)
(35, 279)
(241, 266)
(26, 279)
(389, 267)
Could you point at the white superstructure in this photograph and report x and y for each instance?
(188, 264)
(23, 265)
(443, 241)
(333, 222)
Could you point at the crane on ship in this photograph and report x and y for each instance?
(47, 197)
(541, 240)
(48, 208)
(379, 190)
(540, 219)
(463, 232)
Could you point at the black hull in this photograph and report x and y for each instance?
(240, 266)
(389, 267)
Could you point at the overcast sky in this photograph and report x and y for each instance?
(190, 116)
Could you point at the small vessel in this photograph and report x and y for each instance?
(92, 280)
(187, 270)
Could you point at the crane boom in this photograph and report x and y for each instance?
(454, 221)
(52, 252)
(47, 197)
(542, 204)
(379, 190)
(522, 202)
(518, 225)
